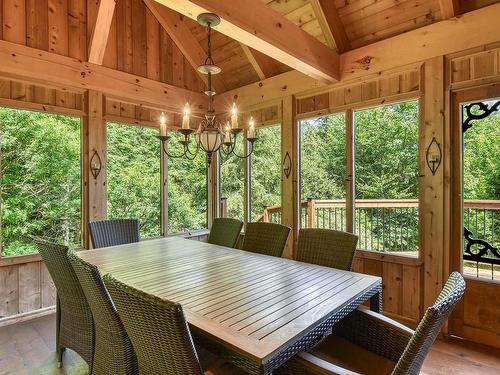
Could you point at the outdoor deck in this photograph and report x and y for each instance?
(28, 348)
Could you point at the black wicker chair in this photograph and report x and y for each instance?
(225, 232)
(74, 322)
(265, 238)
(159, 332)
(114, 354)
(326, 247)
(114, 232)
(369, 343)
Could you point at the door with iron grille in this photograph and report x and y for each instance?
(475, 211)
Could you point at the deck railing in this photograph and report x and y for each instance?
(391, 225)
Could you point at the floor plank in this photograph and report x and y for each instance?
(28, 348)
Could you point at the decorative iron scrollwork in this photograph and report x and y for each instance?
(482, 250)
(95, 164)
(287, 165)
(485, 112)
(433, 155)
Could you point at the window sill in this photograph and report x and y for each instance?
(389, 257)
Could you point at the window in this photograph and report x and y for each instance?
(322, 172)
(386, 161)
(41, 172)
(187, 189)
(134, 179)
(232, 179)
(265, 172)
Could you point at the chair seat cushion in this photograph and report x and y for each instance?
(345, 354)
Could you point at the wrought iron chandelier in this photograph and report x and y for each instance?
(211, 136)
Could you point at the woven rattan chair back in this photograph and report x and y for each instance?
(225, 232)
(115, 232)
(429, 327)
(265, 238)
(75, 325)
(114, 354)
(157, 329)
(326, 247)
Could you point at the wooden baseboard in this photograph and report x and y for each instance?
(18, 318)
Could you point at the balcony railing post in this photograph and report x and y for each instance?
(311, 213)
(265, 216)
(223, 207)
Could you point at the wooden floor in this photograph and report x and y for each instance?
(28, 348)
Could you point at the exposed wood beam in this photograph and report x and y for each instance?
(99, 38)
(258, 26)
(250, 56)
(331, 24)
(449, 8)
(175, 26)
(470, 30)
(51, 69)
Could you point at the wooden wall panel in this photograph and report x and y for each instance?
(473, 69)
(372, 92)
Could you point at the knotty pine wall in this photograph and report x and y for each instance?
(137, 43)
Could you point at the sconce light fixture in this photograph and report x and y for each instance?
(95, 164)
(433, 156)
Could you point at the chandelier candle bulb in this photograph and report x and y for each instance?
(234, 117)
(163, 125)
(185, 118)
(251, 128)
(227, 134)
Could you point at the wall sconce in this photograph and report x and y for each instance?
(95, 164)
(433, 156)
(287, 165)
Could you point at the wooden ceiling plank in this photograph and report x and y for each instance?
(99, 38)
(470, 30)
(449, 8)
(263, 29)
(331, 24)
(175, 26)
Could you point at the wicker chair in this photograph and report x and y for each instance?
(225, 232)
(74, 322)
(265, 238)
(326, 247)
(115, 232)
(114, 354)
(159, 333)
(369, 343)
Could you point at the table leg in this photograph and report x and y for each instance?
(376, 302)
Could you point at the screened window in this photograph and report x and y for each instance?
(133, 179)
(322, 172)
(232, 179)
(187, 189)
(40, 179)
(386, 185)
(265, 175)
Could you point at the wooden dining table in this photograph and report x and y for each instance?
(255, 310)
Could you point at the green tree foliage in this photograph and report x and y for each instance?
(232, 180)
(187, 189)
(133, 176)
(40, 179)
(265, 170)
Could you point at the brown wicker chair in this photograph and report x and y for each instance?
(265, 238)
(74, 322)
(225, 232)
(114, 354)
(326, 247)
(159, 333)
(369, 343)
(115, 232)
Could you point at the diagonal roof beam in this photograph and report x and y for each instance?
(100, 34)
(449, 8)
(258, 26)
(175, 26)
(329, 20)
(263, 65)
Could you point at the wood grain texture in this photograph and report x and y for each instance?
(253, 302)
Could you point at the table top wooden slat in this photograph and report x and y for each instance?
(254, 304)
